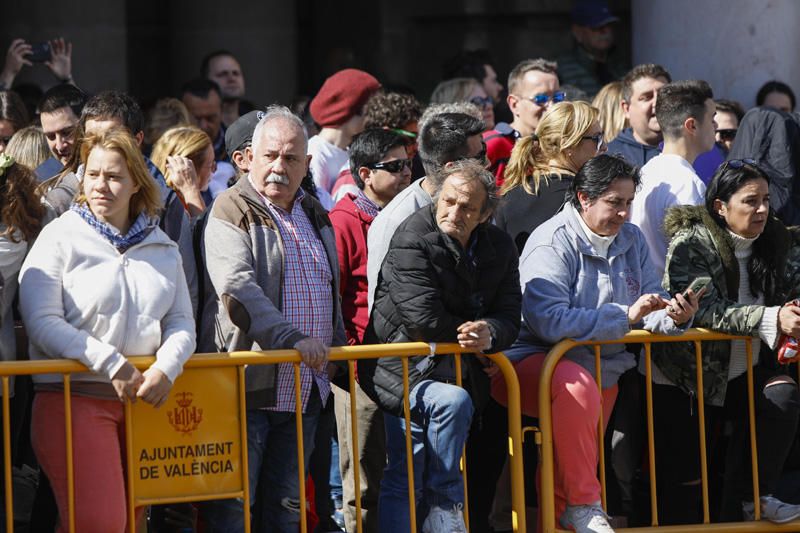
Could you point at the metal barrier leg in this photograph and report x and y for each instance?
(601, 429)
(301, 467)
(457, 358)
(7, 457)
(701, 412)
(412, 503)
(355, 462)
(130, 496)
(68, 440)
(243, 437)
(651, 441)
(751, 410)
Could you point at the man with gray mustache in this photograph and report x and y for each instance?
(270, 252)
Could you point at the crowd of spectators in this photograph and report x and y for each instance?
(606, 199)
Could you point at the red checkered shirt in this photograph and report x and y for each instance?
(307, 298)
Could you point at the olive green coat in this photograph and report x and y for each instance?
(700, 247)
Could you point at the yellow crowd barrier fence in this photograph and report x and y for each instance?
(195, 447)
(696, 336)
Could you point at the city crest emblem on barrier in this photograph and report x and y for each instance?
(185, 418)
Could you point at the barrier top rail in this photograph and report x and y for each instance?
(204, 360)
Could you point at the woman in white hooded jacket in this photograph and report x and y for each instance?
(102, 282)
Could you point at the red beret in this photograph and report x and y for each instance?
(342, 96)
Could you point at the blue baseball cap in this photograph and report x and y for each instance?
(592, 13)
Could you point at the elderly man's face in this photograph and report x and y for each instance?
(278, 162)
(459, 207)
(595, 39)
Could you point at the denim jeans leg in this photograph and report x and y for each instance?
(393, 513)
(280, 468)
(446, 410)
(227, 516)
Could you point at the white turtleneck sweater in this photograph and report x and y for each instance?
(767, 329)
(599, 243)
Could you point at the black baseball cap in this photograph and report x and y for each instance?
(239, 135)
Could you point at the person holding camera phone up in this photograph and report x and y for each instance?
(55, 54)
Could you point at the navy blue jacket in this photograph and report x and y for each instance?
(631, 149)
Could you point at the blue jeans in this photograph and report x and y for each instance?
(440, 419)
(272, 467)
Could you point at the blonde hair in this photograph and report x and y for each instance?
(29, 147)
(562, 127)
(167, 113)
(455, 90)
(611, 118)
(148, 198)
(186, 141)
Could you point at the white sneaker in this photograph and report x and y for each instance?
(442, 520)
(586, 519)
(772, 509)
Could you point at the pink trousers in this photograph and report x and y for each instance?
(576, 404)
(98, 451)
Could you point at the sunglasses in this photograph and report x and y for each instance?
(597, 138)
(481, 101)
(737, 164)
(727, 135)
(480, 157)
(392, 166)
(542, 98)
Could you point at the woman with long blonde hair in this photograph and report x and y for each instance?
(185, 155)
(612, 119)
(543, 164)
(465, 90)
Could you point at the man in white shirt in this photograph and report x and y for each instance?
(685, 112)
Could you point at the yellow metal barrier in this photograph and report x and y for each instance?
(240, 360)
(546, 496)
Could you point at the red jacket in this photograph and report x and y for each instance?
(499, 143)
(351, 225)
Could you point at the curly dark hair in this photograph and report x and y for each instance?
(20, 208)
(391, 110)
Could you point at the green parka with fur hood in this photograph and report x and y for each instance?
(700, 247)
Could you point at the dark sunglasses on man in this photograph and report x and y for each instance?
(392, 166)
(727, 134)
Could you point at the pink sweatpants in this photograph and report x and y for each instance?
(575, 403)
(98, 433)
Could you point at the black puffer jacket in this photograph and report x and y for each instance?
(428, 286)
(772, 138)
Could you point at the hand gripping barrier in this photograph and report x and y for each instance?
(238, 361)
(696, 336)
